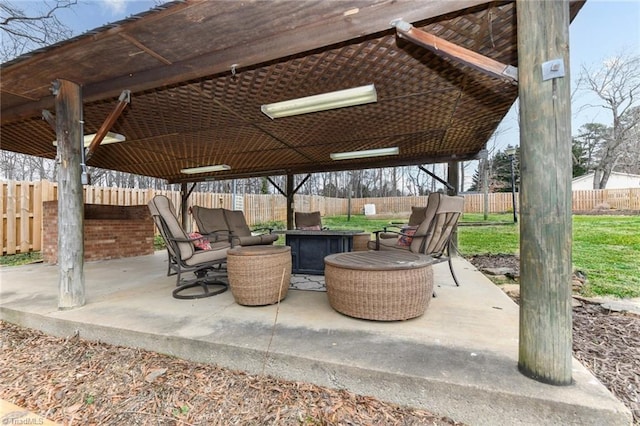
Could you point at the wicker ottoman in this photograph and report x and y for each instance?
(259, 275)
(379, 285)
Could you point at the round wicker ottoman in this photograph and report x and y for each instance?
(379, 285)
(259, 275)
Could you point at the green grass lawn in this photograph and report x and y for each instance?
(605, 248)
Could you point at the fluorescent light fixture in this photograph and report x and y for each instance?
(341, 98)
(364, 154)
(110, 137)
(204, 169)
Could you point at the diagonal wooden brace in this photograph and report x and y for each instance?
(123, 101)
(445, 48)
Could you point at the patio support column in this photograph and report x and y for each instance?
(290, 192)
(184, 204)
(68, 102)
(453, 178)
(545, 227)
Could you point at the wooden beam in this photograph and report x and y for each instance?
(337, 22)
(49, 118)
(306, 178)
(71, 290)
(461, 54)
(545, 352)
(144, 48)
(123, 101)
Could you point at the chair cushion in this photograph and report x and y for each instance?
(418, 214)
(305, 219)
(309, 228)
(386, 244)
(218, 252)
(209, 220)
(237, 223)
(252, 240)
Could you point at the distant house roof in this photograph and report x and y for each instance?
(616, 181)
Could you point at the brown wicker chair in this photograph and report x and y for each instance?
(230, 225)
(183, 256)
(432, 236)
(309, 221)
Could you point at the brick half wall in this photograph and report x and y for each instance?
(110, 232)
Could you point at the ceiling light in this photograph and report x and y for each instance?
(110, 137)
(204, 169)
(341, 98)
(364, 154)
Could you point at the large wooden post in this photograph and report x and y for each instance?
(545, 197)
(68, 101)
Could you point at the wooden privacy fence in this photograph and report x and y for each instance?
(21, 206)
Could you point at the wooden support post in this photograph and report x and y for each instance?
(68, 100)
(545, 197)
(453, 179)
(290, 201)
(184, 204)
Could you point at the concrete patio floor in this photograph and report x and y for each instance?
(458, 360)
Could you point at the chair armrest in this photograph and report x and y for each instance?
(220, 235)
(262, 229)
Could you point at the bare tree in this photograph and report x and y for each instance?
(617, 84)
(24, 31)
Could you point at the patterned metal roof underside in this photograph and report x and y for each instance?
(190, 106)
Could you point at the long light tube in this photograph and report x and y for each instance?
(364, 154)
(110, 137)
(325, 101)
(205, 169)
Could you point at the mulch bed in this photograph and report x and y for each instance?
(73, 381)
(606, 342)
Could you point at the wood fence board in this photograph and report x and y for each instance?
(21, 206)
(11, 218)
(24, 235)
(36, 223)
(3, 217)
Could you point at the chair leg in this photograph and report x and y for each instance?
(453, 274)
(200, 280)
(204, 283)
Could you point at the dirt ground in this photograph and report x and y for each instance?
(73, 381)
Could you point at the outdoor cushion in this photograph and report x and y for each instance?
(308, 220)
(220, 224)
(418, 215)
